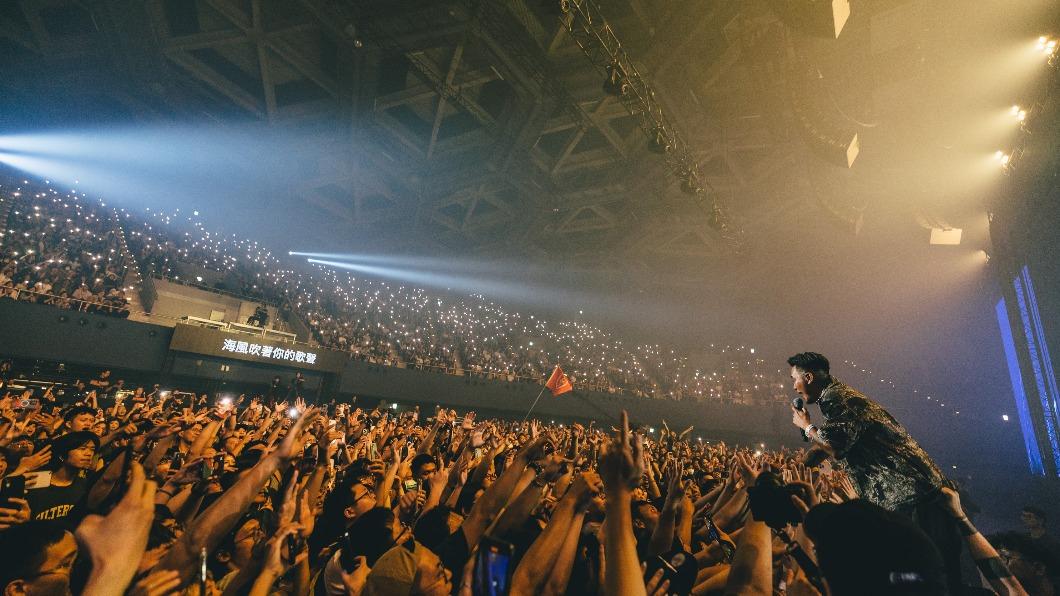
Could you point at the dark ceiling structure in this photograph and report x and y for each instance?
(480, 127)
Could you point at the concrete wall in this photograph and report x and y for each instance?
(175, 301)
(37, 331)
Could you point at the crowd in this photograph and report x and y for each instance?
(113, 490)
(63, 249)
(57, 251)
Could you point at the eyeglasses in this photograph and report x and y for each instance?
(63, 569)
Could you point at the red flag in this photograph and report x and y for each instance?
(558, 383)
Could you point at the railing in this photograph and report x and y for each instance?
(64, 303)
(213, 290)
(251, 330)
(145, 286)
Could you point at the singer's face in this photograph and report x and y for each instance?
(798, 380)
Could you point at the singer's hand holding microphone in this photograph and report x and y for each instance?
(800, 417)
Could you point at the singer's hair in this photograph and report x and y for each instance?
(810, 362)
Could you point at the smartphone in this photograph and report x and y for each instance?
(669, 571)
(493, 567)
(411, 485)
(713, 536)
(205, 471)
(28, 403)
(177, 461)
(12, 487)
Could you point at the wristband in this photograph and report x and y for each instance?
(809, 428)
(965, 526)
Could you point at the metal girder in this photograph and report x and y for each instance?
(425, 91)
(207, 39)
(439, 111)
(432, 76)
(218, 82)
(257, 20)
(591, 196)
(271, 41)
(603, 220)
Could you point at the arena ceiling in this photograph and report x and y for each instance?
(479, 127)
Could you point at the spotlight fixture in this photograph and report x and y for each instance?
(1018, 113)
(616, 82)
(660, 141)
(716, 219)
(690, 183)
(1046, 45)
(1002, 158)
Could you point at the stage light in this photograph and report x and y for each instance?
(660, 141)
(292, 413)
(716, 219)
(690, 183)
(946, 236)
(616, 83)
(1046, 45)
(1002, 158)
(1004, 417)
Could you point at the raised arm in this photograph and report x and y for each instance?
(621, 467)
(541, 559)
(497, 495)
(985, 556)
(210, 527)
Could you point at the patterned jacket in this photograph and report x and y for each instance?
(887, 466)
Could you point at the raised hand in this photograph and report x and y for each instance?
(289, 507)
(276, 562)
(288, 448)
(748, 468)
(116, 542)
(17, 512)
(655, 585)
(844, 488)
(622, 462)
(952, 502)
(469, 421)
(34, 462)
(586, 485)
(354, 582)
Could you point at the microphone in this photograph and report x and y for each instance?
(799, 404)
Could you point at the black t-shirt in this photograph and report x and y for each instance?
(56, 502)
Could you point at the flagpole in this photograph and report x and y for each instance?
(539, 394)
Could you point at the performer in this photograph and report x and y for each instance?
(886, 465)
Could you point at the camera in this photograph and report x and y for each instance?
(771, 501)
